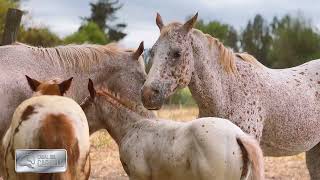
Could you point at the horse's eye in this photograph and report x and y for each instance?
(176, 54)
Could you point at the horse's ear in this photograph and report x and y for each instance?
(65, 85)
(159, 21)
(91, 89)
(190, 23)
(33, 84)
(139, 51)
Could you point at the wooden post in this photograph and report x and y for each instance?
(12, 25)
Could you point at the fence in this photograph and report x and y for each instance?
(11, 28)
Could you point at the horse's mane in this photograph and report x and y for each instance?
(115, 99)
(80, 56)
(227, 56)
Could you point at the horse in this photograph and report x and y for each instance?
(49, 87)
(105, 64)
(48, 121)
(280, 107)
(99, 62)
(207, 148)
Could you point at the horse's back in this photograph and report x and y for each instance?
(40, 113)
(15, 63)
(291, 99)
(49, 122)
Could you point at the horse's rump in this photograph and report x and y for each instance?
(57, 132)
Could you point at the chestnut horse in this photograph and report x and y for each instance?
(49, 121)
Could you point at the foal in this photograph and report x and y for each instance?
(208, 148)
(49, 122)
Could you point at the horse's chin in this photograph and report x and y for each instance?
(152, 105)
(154, 108)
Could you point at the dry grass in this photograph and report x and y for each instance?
(107, 166)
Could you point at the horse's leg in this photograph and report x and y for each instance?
(313, 162)
(3, 129)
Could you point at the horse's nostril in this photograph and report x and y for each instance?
(155, 91)
(149, 92)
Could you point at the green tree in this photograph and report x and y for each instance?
(90, 33)
(182, 97)
(103, 14)
(295, 41)
(224, 32)
(38, 37)
(256, 39)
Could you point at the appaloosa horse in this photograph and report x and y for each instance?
(207, 149)
(281, 107)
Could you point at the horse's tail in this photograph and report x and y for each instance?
(57, 132)
(251, 151)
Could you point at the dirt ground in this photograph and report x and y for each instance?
(105, 163)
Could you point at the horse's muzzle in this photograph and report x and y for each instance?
(152, 97)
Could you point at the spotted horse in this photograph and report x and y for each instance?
(48, 121)
(280, 107)
(151, 148)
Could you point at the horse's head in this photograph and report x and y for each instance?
(50, 87)
(129, 77)
(127, 80)
(173, 63)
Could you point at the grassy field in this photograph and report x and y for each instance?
(105, 163)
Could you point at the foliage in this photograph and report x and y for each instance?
(38, 37)
(88, 33)
(33, 36)
(295, 41)
(182, 97)
(256, 39)
(224, 32)
(103, 13)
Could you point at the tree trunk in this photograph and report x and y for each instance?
(12, 25)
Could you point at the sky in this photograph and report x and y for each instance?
(63, 16)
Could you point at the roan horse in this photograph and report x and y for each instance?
(104, 64)
(49, 121)
(99, 62)
(208, 148)
(281, 107)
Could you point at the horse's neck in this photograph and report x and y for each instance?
(99, 72)
(120, 122)
(207, 84)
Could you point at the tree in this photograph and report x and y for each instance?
(88, 33)
(224, 32)
(295, 41)
(38, 37)
(256, 39)
(103, 14)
